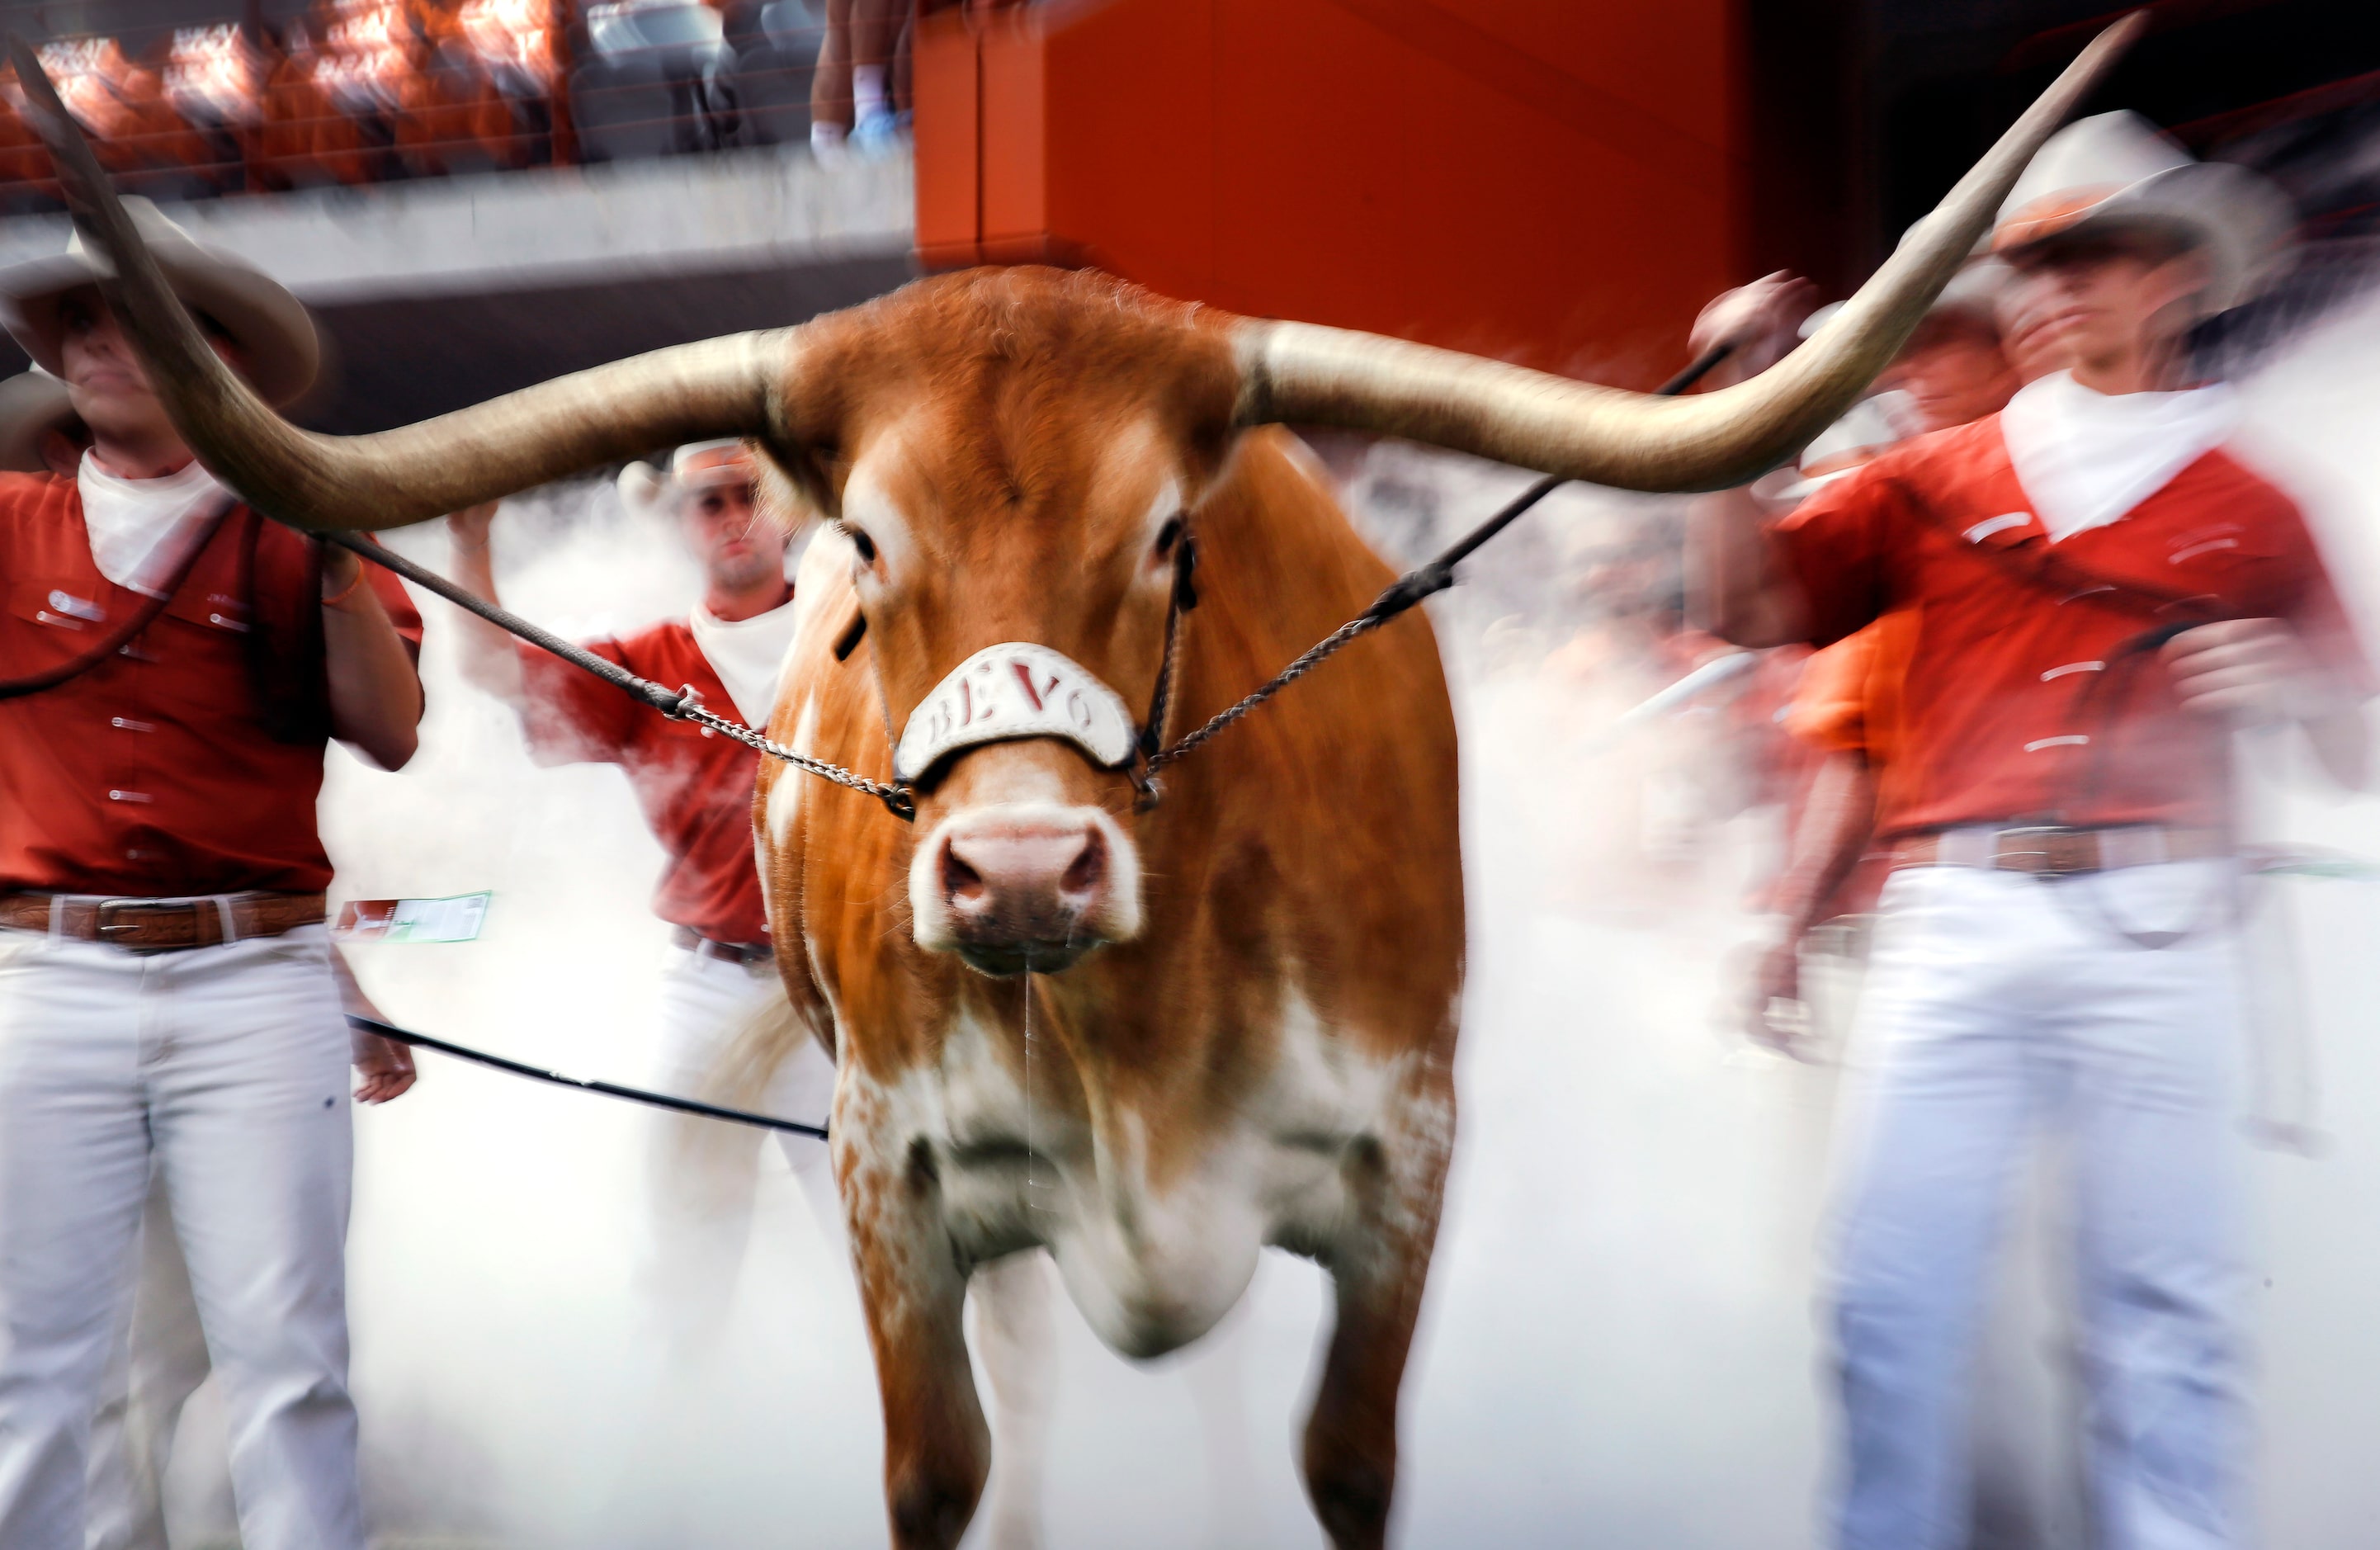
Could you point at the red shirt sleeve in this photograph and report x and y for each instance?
(572, 716)
(398, 605)
(1836, 547)
(1829, 705)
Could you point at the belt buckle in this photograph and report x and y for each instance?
(2048, 867)
(106, 929)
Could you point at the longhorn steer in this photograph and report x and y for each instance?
(1244, 1030)
(1260, 1049)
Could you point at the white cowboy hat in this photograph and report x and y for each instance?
(2116, 172)
(31, 405)
(271, 326)
(700, 465)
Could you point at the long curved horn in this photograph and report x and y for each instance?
(719, 387)
(1302, 372)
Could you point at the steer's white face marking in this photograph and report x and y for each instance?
(1153, 1265)
(868, 509)
(1165, 505)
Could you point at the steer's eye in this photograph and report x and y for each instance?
(863, 545)
(1167, 536)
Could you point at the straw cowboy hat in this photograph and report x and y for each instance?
(2115, 172)
(32, 404)
(282, 354)
(701, 465)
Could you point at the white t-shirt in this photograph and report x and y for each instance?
(747, 655)
(141, 529)
(2086, 458)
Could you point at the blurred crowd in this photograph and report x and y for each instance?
(355, 92)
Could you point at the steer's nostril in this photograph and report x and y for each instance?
(1083, 873)
(1024, 892)
(960, 881)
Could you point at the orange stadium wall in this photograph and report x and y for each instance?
(1556, 182)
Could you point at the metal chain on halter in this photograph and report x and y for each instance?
(897, 798)
(1403, 593)
(680, 704)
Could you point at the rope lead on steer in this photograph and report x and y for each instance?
(1405, 593)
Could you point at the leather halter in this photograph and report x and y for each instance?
(1019, 688)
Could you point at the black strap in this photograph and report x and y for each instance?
(585, 1084)
(122, 635)
(2108, 692)
(2048, 571)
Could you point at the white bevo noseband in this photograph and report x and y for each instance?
(1015, 690)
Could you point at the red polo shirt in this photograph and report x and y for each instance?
(694, 786)
(2019, 701)
(161, 771)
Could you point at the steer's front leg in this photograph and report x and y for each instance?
(937, 1450)
(1396, 1184)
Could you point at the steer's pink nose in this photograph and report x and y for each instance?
(1024, 892)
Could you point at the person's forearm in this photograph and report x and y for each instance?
(374, 689)
(1837, 821)
(1735, 586)
(490, 662)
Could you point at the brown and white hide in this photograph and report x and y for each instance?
(1248, 1038)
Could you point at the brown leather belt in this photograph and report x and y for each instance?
(148, 925)
(746, 953)
(2053, 851)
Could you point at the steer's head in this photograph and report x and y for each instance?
(1013, 458)
(1009, 453)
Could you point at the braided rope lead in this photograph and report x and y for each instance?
(1363, 624)
(1407, 590)
(1405, 593)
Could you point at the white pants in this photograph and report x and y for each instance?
(224, 1069)
(158, 1360)
(1998, 1003)
(703, 1173)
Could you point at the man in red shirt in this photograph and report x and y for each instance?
(2100, 594)
(696, 789)
(174, 666)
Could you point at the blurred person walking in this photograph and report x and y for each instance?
(696, 790)
(167, 1010)
(2022, 1452)
(2102, 592)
